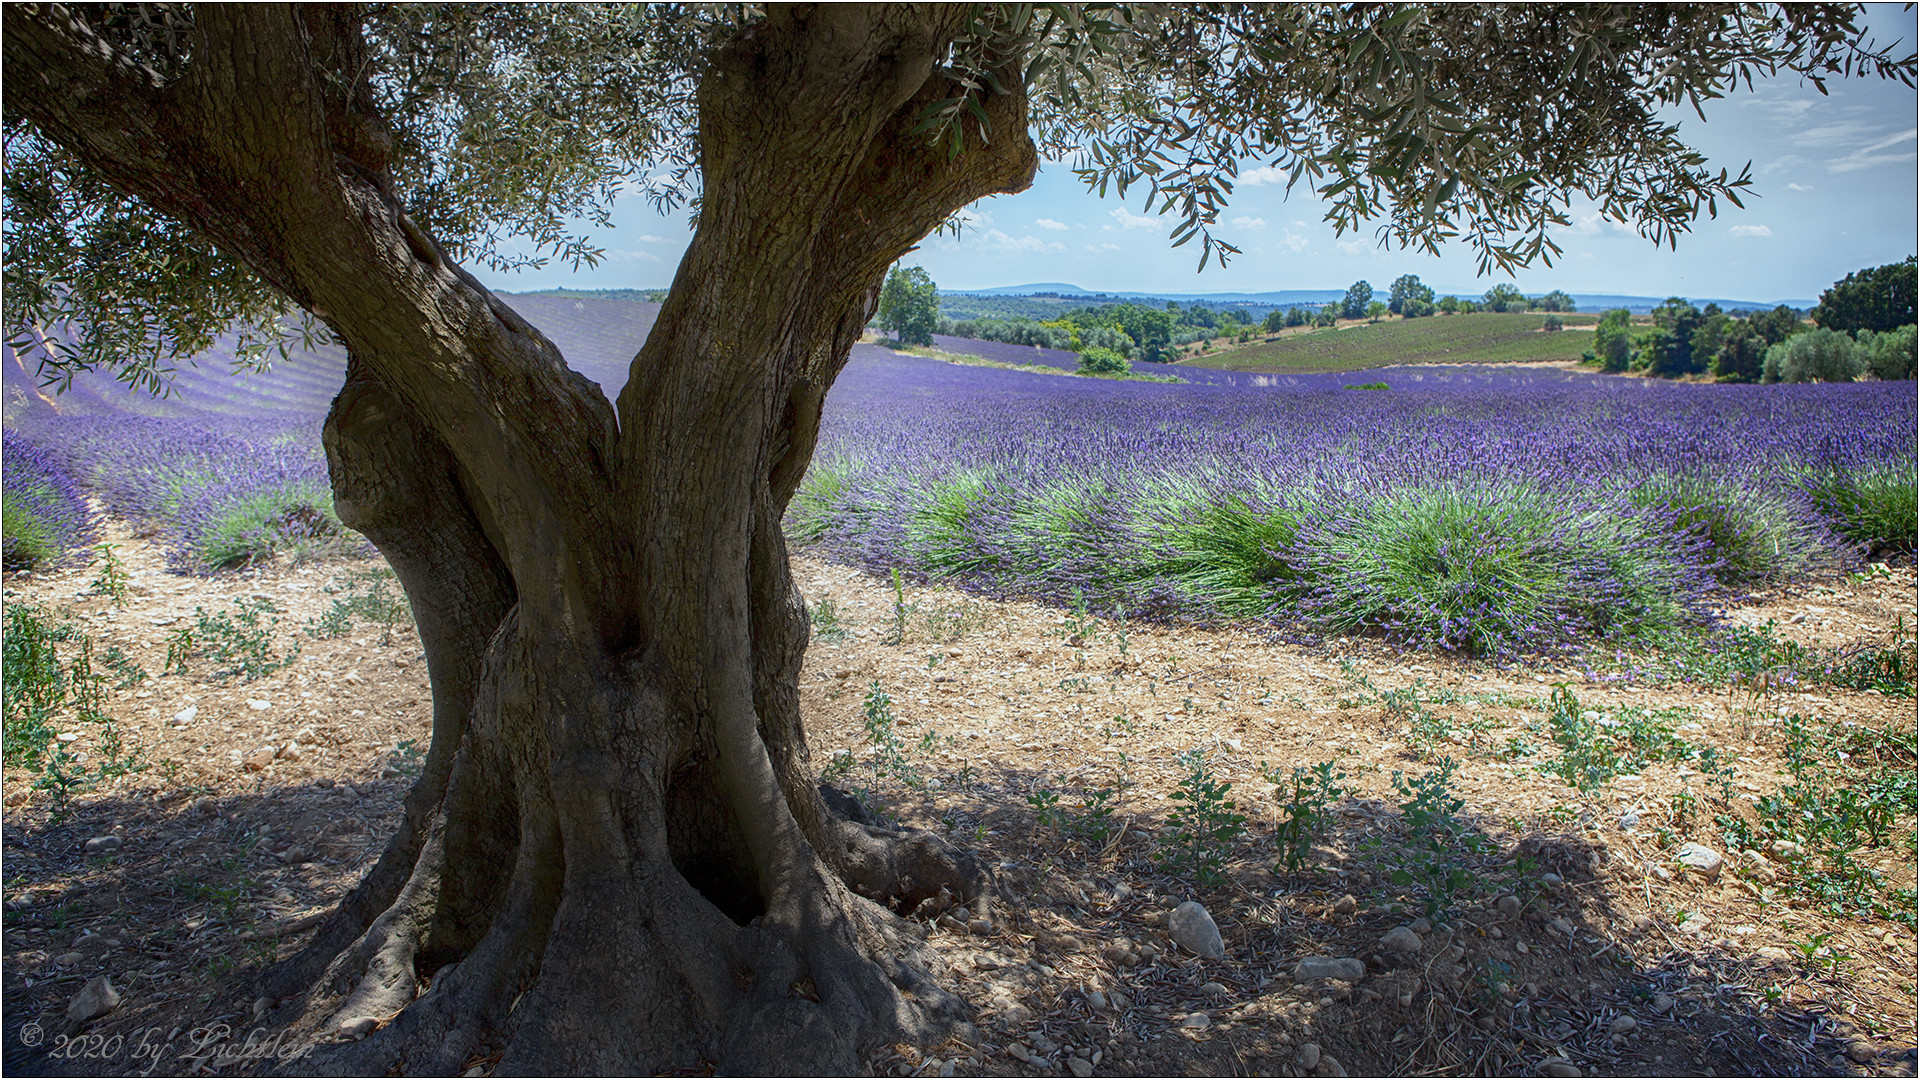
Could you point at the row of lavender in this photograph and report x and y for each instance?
(219, 492)
(1487, 510)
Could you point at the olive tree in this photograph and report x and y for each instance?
(616, 858)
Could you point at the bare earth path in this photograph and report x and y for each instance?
(1575, 945)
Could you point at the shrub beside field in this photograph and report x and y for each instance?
(1481, 338)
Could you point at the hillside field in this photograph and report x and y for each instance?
(1484, 337)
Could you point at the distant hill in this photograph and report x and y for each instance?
(1059, 293)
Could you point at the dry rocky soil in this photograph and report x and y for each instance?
(1568, 936)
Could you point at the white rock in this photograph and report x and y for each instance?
(1346, 905)
(1700, 859)
(357, 1026)
(96, 999)
(259, 704)
(1309, 1056)
(1197, 1022)
(1329, 967)
(1213, 988)
(1559, 1067)
(1194, 930)
(1080, 1067)
(1401, 939)
(186, 715)
(1622, 1024)
(101, 844)
(291, 752)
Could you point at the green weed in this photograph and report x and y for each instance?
(1306, 798)
(238, 640)
(112, 580)
(1204, 822)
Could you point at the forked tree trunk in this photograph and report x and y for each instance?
(615, 860)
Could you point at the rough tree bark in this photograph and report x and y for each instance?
(615, 860)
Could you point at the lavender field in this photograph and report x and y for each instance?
(1478, 509)
(1487, 510)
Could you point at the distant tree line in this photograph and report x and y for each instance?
(1863, 326)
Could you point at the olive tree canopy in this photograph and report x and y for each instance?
(616, 859)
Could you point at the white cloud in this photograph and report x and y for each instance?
(1250, 222)
(1751, 230)
(1293, 242)
(1866, 157)
(1130, 220)
(1799, 187)
(623, 255)
(1049, 223)
(998, 241)
(1103, 247)
(653, 239)
(1266, 174)
(1351, 247)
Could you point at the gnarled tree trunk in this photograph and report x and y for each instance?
(615, 860)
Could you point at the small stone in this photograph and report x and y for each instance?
(295, 855)
(358, 1026)
(283, 896)
(1622, 1024)
(1197, 1022)
(1508, 905)
(1149, 951)
(1561, 925)
(1346, 905)
(980, 926)
(259, 704)
(291, 752)
(1774, 954)
(1119, 953)
(1785, 850)
(946, 1069)
(259, 759)
(1663, 1003)
(1329, 1066)
(68, 959)
(1401, 939)
(1121, 1000)
(1423, 927)
(1862, 1051)
(1080, 1067)
(261, 1005)
(1700, 859)
(100, 845)
(206, 804)
(1214, 988)
(1696, 924)
(1097, 1001)
(1559, 1067)
(1018, 1051)
(68, 737)
(1309, 1056)
(1628, 821)
(96, 999)
(1329, 967)
(1194, 930)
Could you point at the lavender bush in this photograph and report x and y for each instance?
(44, 516)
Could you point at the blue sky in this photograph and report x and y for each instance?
(1835, 178)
